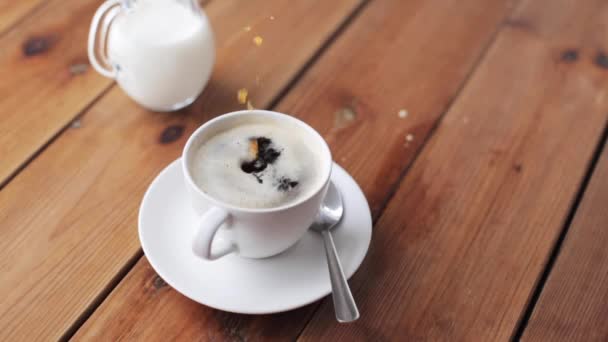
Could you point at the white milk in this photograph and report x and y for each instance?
(163, 53)
(218, 167)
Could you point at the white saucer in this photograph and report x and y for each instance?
(284, 282)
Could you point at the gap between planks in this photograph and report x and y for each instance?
(317, 55)
(542, 279)
(102, 296)
(59, 132)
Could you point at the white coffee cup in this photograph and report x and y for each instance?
(259, 232)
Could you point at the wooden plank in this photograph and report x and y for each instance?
(149, 300)
(11, 12)
(352, 95)
(45, 79)
(457, 253)
(68, 219)
(574, 301)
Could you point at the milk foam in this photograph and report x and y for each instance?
(217, 167)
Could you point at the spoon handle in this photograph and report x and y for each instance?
(344, 304)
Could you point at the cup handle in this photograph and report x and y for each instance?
(106, 12)
(204, 236)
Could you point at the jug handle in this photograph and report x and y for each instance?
(106, 12)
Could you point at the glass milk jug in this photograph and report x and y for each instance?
(161, 52)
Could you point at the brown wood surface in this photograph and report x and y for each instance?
(69, 218)
(380, 77)
(45, 78)
(11, 12)
(573, 305)
(456, 255)
(462, 235)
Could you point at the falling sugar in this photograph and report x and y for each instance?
(241, 95)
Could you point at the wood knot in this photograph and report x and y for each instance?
(159, 282)
(171, 134)
(601, 60)
(37, 45)
(569, 56)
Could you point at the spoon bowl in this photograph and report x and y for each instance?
(331, 211)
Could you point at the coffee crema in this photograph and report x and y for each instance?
(257, 165)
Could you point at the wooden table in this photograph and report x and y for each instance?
(476, 129)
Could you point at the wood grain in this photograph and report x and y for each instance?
(69, 219)
(457, 253)
(352, 95)
(45, 79)
(573, 305)
(11, 12)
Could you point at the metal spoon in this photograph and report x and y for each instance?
(328, 217)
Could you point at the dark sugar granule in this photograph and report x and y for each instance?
(253, 166)
(265, 152)
(265, 156)
(286, 184)
(263, 142)
(270, 155)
